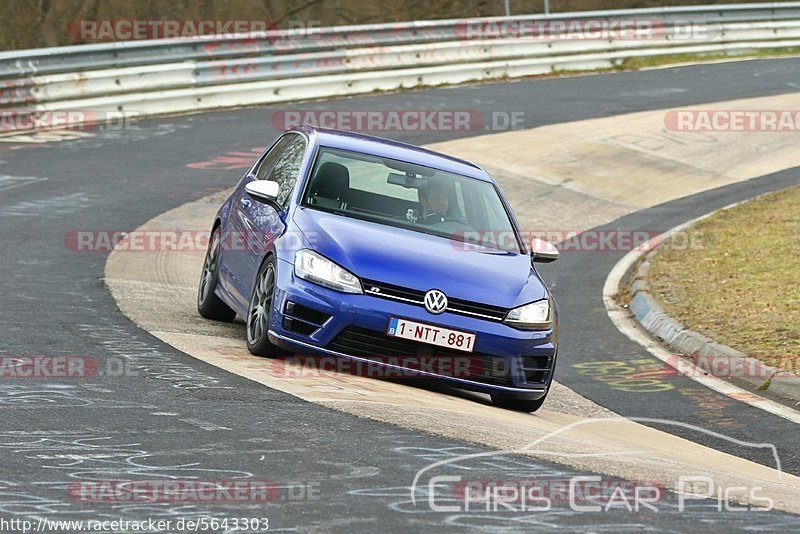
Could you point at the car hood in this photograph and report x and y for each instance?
(420, 261)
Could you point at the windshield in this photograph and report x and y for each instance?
(406, 195)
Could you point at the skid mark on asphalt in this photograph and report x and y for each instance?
(75, 457)
(48, 207)
(150, 362)
(94, 137)
(10, 182)
(56, 396)
(204, 425)
(40, 138)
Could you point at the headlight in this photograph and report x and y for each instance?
(533, 316)
(316, 268)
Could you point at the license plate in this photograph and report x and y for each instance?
(432, 335)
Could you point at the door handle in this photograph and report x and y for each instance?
(245, 202)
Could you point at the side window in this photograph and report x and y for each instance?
(267, 162)
(287, 167)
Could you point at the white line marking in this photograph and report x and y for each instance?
(628, 326)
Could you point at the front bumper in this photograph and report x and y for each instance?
(338, 312)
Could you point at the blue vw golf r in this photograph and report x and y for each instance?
(350, 246)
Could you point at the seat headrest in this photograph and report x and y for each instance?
(333, 181)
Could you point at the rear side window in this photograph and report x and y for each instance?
(286, 167)
(268, 161)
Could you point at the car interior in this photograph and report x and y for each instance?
(353, 184)
(330, 189)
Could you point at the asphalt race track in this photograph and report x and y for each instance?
(171, 416)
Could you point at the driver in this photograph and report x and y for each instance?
(434, 202)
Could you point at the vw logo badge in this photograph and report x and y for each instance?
(435, 301)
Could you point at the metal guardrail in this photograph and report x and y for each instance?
(180, 75)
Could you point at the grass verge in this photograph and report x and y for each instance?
(741, 285)
(636, 63)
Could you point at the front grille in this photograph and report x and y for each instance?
(416, 297)
(302, 319)
(377, 346)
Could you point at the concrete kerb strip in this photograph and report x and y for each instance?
(655, 320)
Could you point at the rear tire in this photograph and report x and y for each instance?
(259, 312)
(209, 305)
(509, 402)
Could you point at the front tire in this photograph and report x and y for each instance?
(209, 305)
(259, 312)
(509, 402)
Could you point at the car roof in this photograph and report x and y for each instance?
(378, 146)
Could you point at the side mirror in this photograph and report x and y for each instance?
(543, 251)
(263, 191)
